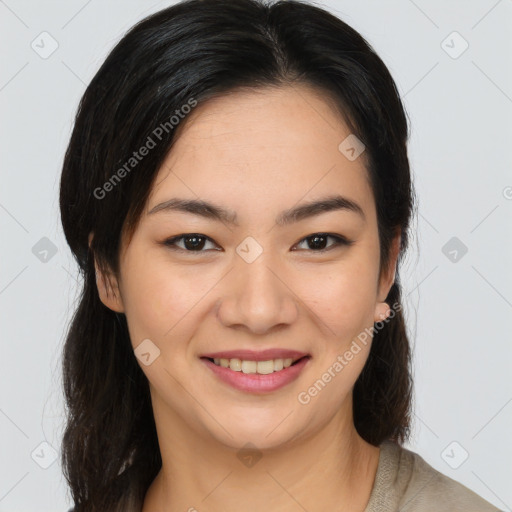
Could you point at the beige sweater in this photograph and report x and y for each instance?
(405, 482)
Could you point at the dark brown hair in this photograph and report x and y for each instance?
(193, 51)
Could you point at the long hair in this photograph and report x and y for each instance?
(184, 55)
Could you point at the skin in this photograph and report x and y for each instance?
(256, 153)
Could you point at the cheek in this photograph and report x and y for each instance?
(343, 297)
(153, 301)
(161, 300)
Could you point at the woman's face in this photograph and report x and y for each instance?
(259, 282)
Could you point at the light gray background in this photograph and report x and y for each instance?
(459, 311)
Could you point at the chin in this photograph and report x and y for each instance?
(266, 432)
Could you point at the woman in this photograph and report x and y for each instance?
(237, 194)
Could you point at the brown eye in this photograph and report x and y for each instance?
(192, 242)
(317, 242)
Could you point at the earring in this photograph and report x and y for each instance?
(382, 312)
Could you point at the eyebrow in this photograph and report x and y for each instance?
(286, 217)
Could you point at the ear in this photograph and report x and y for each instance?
(387, 279)
(108, 287)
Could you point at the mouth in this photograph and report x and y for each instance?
(261, 367)
(256, 372)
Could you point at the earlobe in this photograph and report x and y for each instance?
(382, 311)
(108, 288)
(108, 291)
(388, 278)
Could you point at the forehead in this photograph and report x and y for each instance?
(262, 149)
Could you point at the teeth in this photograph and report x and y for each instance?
(265, 367)
(235, 365)
(261, 367)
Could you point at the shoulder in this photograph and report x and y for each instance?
(405, 481)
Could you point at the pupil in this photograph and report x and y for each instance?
(195, 244)
(315, 241)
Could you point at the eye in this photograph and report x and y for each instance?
(193, 242)
(318, 241)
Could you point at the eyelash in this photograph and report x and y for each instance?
(339, 242)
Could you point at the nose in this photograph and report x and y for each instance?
(257, 298)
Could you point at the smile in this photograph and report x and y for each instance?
(261, 367)
(256, 376)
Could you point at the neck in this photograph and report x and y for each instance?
(334, 467)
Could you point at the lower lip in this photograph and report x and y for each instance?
(255, 382)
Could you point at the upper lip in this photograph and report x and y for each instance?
(261, 355)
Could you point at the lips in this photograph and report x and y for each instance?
(257, 371)
(244, 379)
